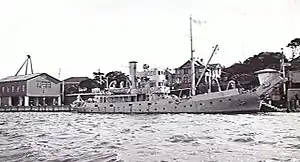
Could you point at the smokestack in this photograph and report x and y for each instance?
(132, 73)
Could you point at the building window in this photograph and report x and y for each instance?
(152, 84)
(18, 88)
(3, 89)
(185, 79)
(23, 88)
(160, 84)
(38, 85)
(159, 72)
(178, 80)
(7, 89)
(12, 88)
(49, 84)
(185, 71)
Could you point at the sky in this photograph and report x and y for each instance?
(82, 36)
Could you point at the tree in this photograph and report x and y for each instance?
(244, 72)
(257, 62)
(295, 46)
(117, 76)
(99, 77)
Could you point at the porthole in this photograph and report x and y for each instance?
(211, 102)
(170, 102)
(191, 105)
(140, 104)
(221, 101)
(140, 110)
(164, 108)
(96, 105)
(175, 107)
(184, 106)
(149, 103)
(155, 109)
(111, 105)
(229, 99)
(201, 104)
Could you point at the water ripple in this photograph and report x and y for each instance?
(119, 138)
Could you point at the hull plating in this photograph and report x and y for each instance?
(237, 103)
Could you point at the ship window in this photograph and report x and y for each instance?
(140, 104)
(96, 105)
(164, 108)
(155, 109)
(221, 101)
(149, 103)
(130, 104)
(170, 102)
(175, 107)
(201, 104)
(229, 99)
(191, 105)
(184, 106)
(147, 109)
(111, 105)
(211, 102)
(140, 110)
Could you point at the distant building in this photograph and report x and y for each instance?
(33, 89)
(182, 75)
(293, 84)
(71, 85)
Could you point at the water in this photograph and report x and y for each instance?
(181, 137)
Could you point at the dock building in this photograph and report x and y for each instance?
(30, 90)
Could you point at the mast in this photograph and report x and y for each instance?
(193, 88)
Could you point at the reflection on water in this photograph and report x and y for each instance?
(181, 137)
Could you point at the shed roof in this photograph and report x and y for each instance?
(24, 77)
(76, 79)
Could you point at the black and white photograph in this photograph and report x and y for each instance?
(150, 80)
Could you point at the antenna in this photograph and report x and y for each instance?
(59, 71)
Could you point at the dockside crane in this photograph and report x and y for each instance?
(26, 62)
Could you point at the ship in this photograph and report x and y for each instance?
(152, 95)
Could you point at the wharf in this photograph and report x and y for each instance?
(65, 108)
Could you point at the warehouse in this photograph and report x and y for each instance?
(37, 89)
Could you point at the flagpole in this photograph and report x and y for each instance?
(193, 89)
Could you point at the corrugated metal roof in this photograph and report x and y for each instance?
(19, 77)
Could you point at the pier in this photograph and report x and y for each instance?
(65, 108)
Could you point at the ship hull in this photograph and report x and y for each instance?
(230, 103)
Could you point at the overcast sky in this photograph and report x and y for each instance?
(81, 36)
